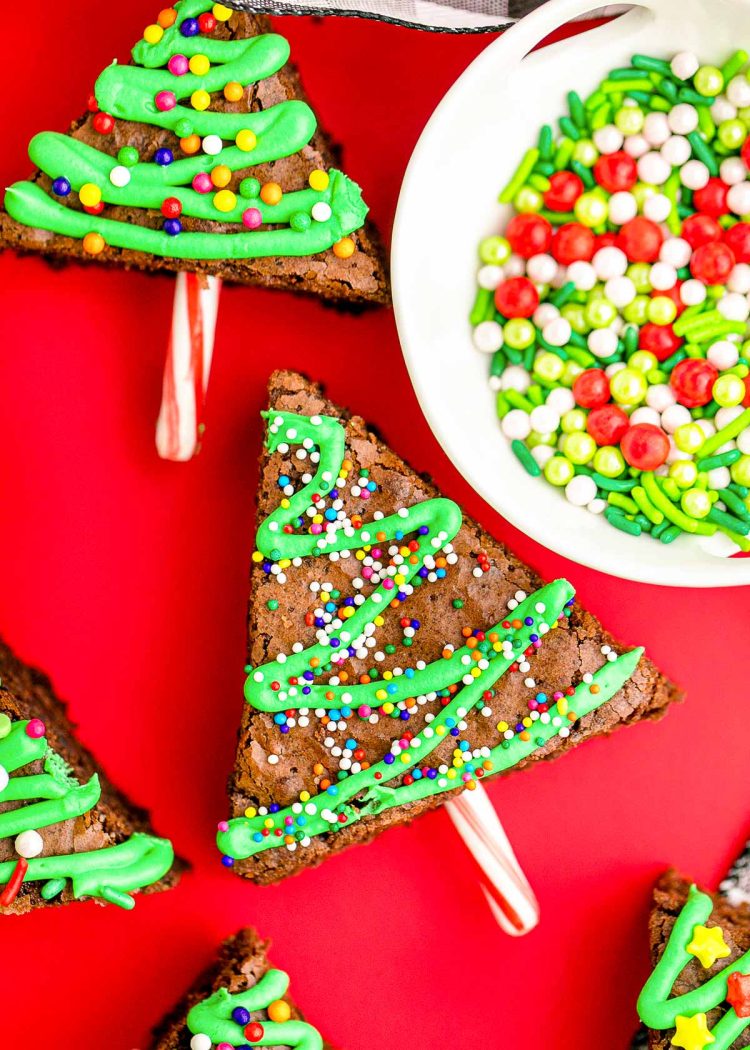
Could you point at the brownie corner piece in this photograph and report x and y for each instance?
(66, 832)
(696, 938)
(239, 989)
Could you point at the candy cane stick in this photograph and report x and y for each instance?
(186, 370)
(509, 895)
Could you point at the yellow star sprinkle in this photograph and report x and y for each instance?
(692, 1032)
(708, 945)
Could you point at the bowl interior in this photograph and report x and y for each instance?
(448, 202)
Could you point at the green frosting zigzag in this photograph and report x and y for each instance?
(369, 791)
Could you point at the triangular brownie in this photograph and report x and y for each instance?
(201, 154)
(240, 999)
(381, 625)
(699, 992)
(65, 831)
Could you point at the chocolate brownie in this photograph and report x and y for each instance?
(242, 962)
(671, 894)
(26, 695)
(357, 280)
(285, 758)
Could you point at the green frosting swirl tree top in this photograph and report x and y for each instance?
(197, 193)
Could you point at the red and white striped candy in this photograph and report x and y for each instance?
(509, 895)
(188, 366)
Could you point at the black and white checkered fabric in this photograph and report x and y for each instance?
(447, 16)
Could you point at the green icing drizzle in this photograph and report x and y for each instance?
(369, 791)
(127, 93)
(213, 1017)
(655, 1007)
(110, 874)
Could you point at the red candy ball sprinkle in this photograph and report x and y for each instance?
(659, 340)
(700, 229)
(616, 172)
(712, 199)
(103, 123)
(640, 239)
(591, 388)
(573, 242)
(737, 238)
(207, 22)
(171, 208)
(529, 234)
(692, 381)
(254, 1031)
(712, 263)
(516, 297)
(607, 425)
(645, 446)
(565, 187)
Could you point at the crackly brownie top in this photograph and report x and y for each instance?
(392, 658)
(698, 994)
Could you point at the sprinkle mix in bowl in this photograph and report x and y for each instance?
(615, 307)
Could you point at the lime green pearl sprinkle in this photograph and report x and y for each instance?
(689, 437)
(728, 390)
(599, 313)
(573, 421)
(549, 366)
(609, 461)
(586, 153)
(644, 361)
(732, 133)
(591, 209)
(519, 333)
(629, 120)
(558, 471)
(696, 503)
(640, 275)
(494, 251)
(741, 471)
(708, 81)
(684, 472)
(579, 448)
(628, 386)
(535, 439)
(574, 315)
(661, 310)
(528, 199)
(637, 311)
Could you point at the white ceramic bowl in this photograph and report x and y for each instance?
(448, 202)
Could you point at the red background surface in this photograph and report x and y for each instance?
(125, 577)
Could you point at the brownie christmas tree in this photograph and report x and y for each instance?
(201, 154)
(65, 832)
(398, 653)
(699, 992)
(239, 1001)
